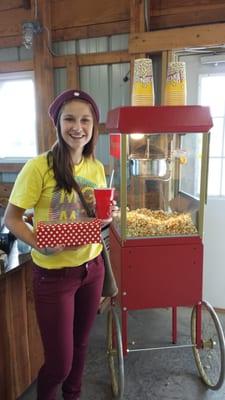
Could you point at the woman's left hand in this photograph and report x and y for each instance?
(48, 251)
(114, 210)
(114, 207)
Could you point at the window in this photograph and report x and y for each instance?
(212, 93)
(17, 122)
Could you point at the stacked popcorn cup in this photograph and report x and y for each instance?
(175, 89)
(143, 84)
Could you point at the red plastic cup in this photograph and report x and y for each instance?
(103, 202)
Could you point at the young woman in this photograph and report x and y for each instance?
(67, 282)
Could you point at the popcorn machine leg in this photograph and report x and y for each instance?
(124, 331)
(174, 325)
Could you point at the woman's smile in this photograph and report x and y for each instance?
(76, 135)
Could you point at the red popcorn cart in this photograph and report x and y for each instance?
(160, 158)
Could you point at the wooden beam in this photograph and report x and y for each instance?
(11, 167)
(74, 33)
(83, 32)
(137, 21)
(137, 24)
(176, 7)
(11, 20)
(88, 31)
(178, 38)
(16, 66)
(11, 41)
(113, 57)
(76, 13)
(10, 5)
(72, 72)
(170, 14)
(193, 17)
(43, 70)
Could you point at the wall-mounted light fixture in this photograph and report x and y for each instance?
(30, 28)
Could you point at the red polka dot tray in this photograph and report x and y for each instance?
(51, 234)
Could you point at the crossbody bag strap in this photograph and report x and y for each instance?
(89, 211)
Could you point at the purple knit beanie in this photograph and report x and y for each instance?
(67, 95)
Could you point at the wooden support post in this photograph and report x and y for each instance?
(137, 24)
(72, 68)
(137, 20)
(43, 78)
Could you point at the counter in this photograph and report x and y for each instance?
(20, 343)
(14, 260)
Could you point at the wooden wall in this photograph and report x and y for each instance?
(70, 19)
(175, 13)
(73, 19)
(82, 19)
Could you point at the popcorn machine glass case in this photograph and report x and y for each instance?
(160, 159)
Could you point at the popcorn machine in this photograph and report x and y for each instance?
(160, 159)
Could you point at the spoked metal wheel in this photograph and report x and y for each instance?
(115, 354)
(210, 357)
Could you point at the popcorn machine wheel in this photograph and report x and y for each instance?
(156, 247)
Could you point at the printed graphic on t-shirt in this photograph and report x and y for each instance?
(67, 206)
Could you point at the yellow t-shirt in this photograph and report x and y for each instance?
(34, 188)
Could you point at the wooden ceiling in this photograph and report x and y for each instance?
(70, 19)
(176, 13)
(74, 19)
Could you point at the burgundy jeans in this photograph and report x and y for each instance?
(66, 303)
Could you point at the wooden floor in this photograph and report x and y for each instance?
(150, 375)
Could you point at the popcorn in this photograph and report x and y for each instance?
(143, 222)
(51, 234)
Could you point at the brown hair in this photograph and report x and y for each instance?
(60, 161)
